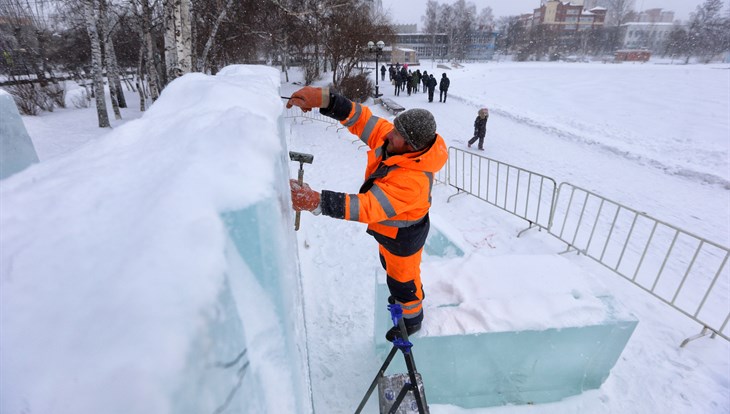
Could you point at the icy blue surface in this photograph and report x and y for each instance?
(222, 364)
(525, 367)
(437, 244)
(265, 241)
(16, 148)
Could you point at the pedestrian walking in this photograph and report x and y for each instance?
(431, 87)
(443, 87)
(480, 128)
(398, 84)
(382, 72)
(424, 80)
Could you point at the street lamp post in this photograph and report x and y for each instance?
(376, 48)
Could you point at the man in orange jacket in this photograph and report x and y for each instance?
(394, 199)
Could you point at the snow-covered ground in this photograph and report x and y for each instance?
(653, 137)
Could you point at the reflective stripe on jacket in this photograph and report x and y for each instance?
(397, 190)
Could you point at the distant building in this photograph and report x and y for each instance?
(480, 44)
(644, 35)
(403, 55)
(655, 16)
(567, 16)
(405, 28)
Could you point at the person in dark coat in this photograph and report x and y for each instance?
(382, 72)
(417, 75)
(391, 70)
(424, 79)
(431, 87)
(409, 82)
(480, 128)
(403, 76)
(443, 88)
(398, 83)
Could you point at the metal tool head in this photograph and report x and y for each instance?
(301, 157)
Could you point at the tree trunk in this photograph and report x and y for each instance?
(140, 78)
(184, 41)
(111, 74)
(203, 59)
(170, 19)
(178, 38)
(285, 56)
(117, 73)
(90, 18)
(153, 79)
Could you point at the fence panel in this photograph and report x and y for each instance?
(516, 190)
(683, 270)
(296, 113)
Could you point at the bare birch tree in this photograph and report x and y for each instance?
(112, 76)
(91, 19)
(178, 38)
(152, 77)
(203, 58)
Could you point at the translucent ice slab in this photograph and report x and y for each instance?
(16, 148)
(469, 356)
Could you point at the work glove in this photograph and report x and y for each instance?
(303, 197)
(309, 97)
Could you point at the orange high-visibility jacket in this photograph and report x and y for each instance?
(397, 190)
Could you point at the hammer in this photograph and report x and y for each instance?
(302, 158)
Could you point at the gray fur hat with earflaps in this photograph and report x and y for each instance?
(417, 126)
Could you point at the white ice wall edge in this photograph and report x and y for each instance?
(113, 255)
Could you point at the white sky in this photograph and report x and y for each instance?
(410, 11)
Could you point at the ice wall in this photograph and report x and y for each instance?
(510, 330)
(155, 270)
(16, 148)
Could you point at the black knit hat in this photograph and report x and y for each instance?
(417, 126)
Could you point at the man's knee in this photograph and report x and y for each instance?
(403, 291)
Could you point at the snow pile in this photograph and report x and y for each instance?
(113, 255)
(509, 293)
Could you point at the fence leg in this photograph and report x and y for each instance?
(458, 192)
(705, 331)
(568, 249)
(532, 225)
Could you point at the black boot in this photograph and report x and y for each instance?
(395, 331)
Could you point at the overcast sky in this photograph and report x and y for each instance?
(410, 11)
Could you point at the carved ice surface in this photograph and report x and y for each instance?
(512, 329)
(16, 149)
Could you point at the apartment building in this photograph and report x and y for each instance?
(568, 16)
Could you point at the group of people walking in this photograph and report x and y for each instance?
(404, 79)
(413, 81)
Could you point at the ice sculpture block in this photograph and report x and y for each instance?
(510, 330)
(16, 148)
(440, 242)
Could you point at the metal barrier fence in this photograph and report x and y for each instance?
(295, 112)
(524, 193)
(683, 270)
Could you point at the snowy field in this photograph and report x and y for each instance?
(653, 137)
